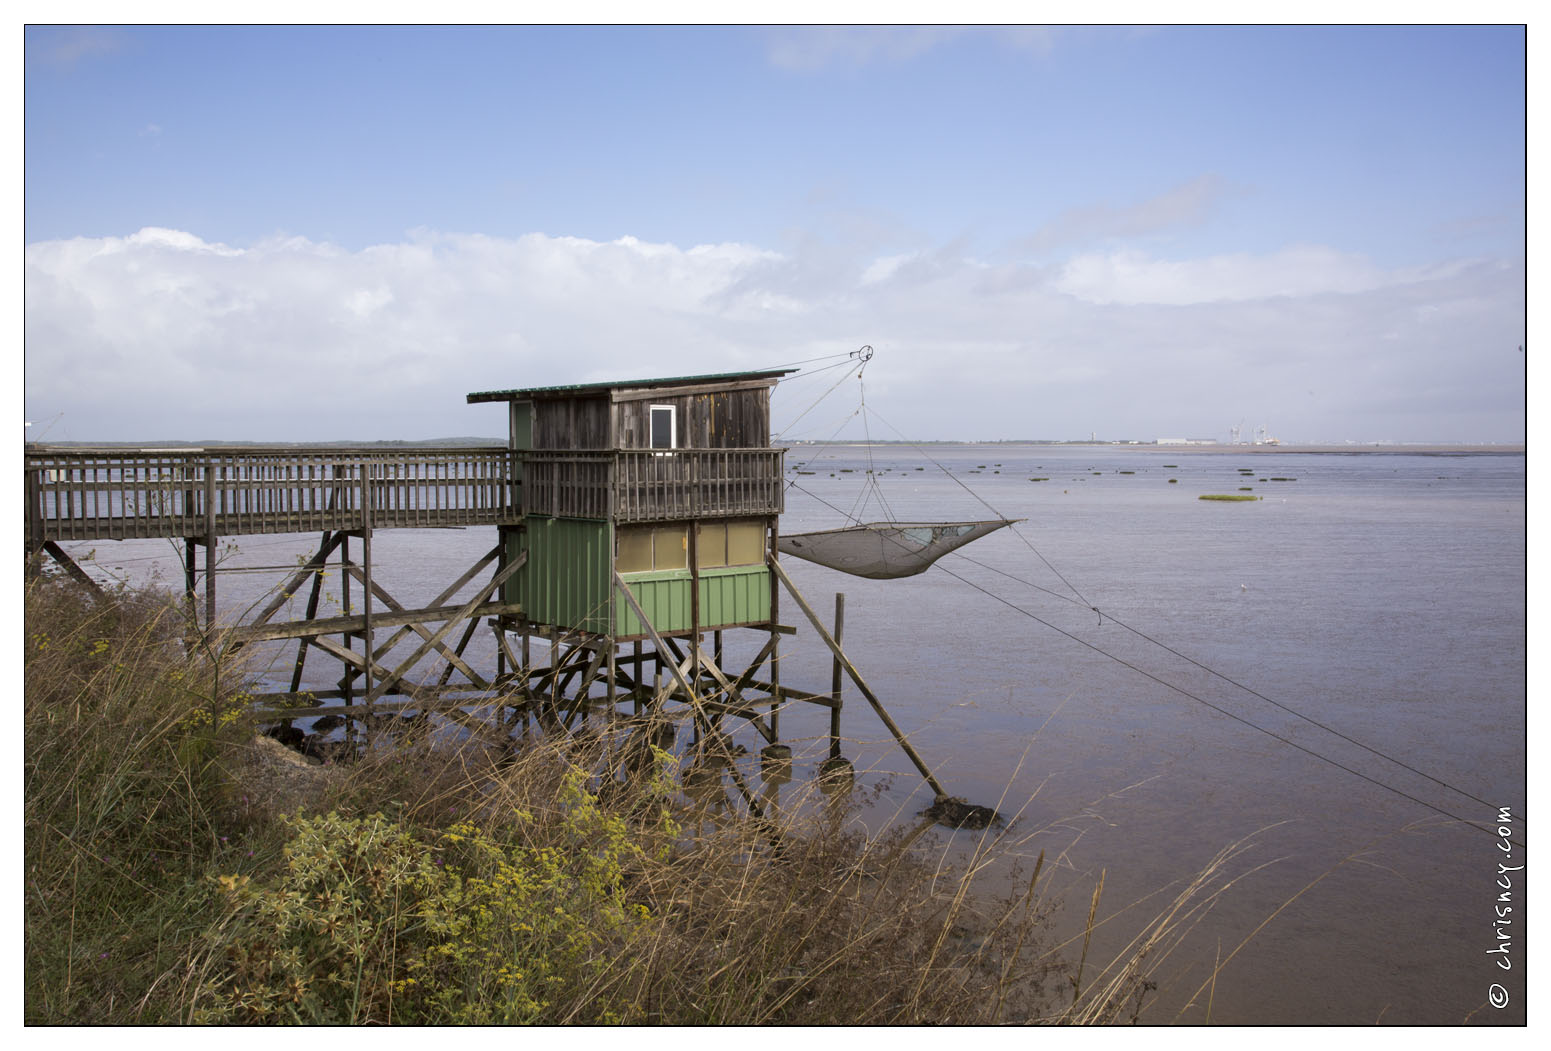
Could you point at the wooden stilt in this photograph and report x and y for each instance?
(191, 581)
(210, 542)
(312, 611)
(373, 691)
(775, 637)
(856, 677)
(836, 681)
(346, 638)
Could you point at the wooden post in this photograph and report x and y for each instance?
(775, 637)
(555, 656)
(836, 680)
(344, 636)
(35, 535)
(209, 544)
(856, 677)
(613, 671)
(694, 604)
(191, 581)
(635, 655)
(366, 572)
(526, 677)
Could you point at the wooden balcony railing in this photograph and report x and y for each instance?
(637, 485)
(117, 494)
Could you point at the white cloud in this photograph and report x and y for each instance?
(65, 46)
(1180, 207)
(810, 49)
(1304, 270)
(163, 335)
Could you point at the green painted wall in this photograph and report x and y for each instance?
(734, 595)
(570, 571)
(570, 565)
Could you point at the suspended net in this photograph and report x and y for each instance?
(886, 550)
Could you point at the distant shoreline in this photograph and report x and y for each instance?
(1368, 448)
(1391, 448)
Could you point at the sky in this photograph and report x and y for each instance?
(318, 234)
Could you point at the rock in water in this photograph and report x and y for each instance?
(956, 813)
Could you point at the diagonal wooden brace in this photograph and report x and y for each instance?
(454, 660)
(484, 592)
(856, 677)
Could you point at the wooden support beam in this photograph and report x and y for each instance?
(856, 677)
(68, 565)
(454, 658)
(505, 649)
(463, 644)
(588, 677)
(823, 700)
(490, 556)
(355, 624)
(469, 609)
(312, 611)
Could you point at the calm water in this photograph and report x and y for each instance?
(1382, 594)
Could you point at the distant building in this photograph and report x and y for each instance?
(1187, 441)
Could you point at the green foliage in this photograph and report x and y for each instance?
(375, 922)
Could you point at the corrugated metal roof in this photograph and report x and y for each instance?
(584, 388)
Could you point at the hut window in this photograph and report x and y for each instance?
(663, 430)
(735, 542)
(633, 550)
(746, 542)
(711, 544)
(645, 549)
(670, 547)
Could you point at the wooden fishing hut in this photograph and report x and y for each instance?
(650, 516)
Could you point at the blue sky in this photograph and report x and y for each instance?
(1045, 233)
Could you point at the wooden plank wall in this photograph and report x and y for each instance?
(732, 419)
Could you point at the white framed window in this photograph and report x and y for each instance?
(664, 427)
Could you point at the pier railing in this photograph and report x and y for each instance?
(118, 494)
(639, 485)
(76, 493)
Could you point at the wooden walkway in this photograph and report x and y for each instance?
(78, 493)
(121, 494)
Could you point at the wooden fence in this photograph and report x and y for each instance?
(118, 494)
(638, 485)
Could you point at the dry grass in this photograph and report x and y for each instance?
(160, 888)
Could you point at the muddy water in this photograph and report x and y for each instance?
(1380, 594)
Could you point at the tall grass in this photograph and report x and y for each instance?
(459, 879)
(124, 801)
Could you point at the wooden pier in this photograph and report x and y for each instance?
(633, 525)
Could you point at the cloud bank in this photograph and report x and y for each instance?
(161, 335)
